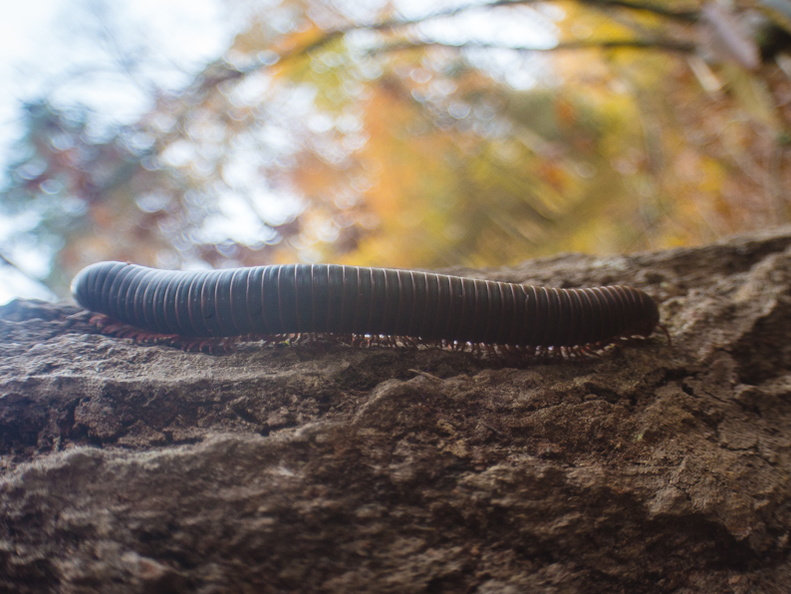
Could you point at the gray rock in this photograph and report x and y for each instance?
(327, 468)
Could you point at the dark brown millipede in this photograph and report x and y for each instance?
(392, 306)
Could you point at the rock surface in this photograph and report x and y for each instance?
(655, 468)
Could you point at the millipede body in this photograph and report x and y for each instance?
(348, 300)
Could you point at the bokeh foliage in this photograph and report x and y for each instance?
(334, 132)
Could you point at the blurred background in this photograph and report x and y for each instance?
(402, 133)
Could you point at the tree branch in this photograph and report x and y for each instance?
(6, 262)
(663, 44)
(229, 73)
(221, 71)
(687, 16)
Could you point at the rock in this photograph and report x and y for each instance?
(654, 468)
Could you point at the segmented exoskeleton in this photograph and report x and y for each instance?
(427, 308)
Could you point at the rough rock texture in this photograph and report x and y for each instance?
(656, 468)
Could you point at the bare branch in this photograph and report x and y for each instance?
(6, 262)
(688, 16)
(221, 71)
(229, 72)
(658, 9)
(662, 44)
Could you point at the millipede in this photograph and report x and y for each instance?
(210, 310)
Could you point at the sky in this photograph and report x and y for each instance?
(53, 42)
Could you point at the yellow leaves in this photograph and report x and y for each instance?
(425, 156)
(300, 41)
(753, 95)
